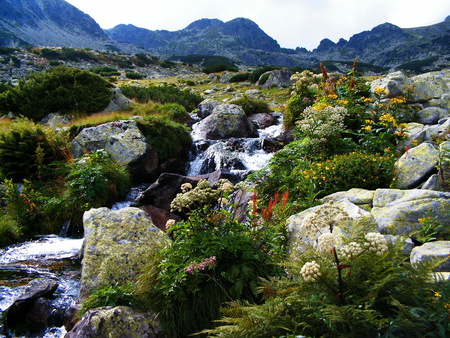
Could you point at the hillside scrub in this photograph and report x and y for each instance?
(68, 91)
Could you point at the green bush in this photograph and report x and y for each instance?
(240, 77)
(10, 230)
(134, 75)
(59, 89)
(163, 94)
(29, 150)
(354, 170)
(216, 68)
(174, 112)
(105, 71)
(169, 139)
(251, 105)
(256, 74)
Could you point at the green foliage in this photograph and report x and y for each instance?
(134, 75)
(167, 64)
(353, 170)
(105, 71)
(251, 105)
(212, 258)
(242, 77)
(163, 94)
(69, 54)
(143, 60)
(59, 89)
(113, 296)
(220, 67)
(204, 60)
(29, 150)
(10, 230)
(169, 139)
(7, 50)
(352, 283)
(256, 74)
(174, 112)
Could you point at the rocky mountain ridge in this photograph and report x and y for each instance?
(57, 23)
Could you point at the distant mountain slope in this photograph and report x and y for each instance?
(48, 23)
(389, 46)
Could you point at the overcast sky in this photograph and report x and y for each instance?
(293, 23)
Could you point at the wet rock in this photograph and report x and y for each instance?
(118, 322)
(226, 120)
(31, 311)
(262, 120)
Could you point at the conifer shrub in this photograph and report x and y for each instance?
(134, 75)
(105, 71)
(240, 77)
(220, 67)
(174, 112)
(168, 138)
(59, 89)
(251, 105)
(163, 94)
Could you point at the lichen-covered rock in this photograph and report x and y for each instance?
(206, 107)
(394, 83)
(416, 134)
(116, 245)
(428, 86)
(118, 322)
(124, 142)
(227, 120)
(441, 180)
(431, 251)
(439, 131)
(118, 101)
(398, 211)
(360, 197)
(280, 78)
(431, 115)
(416, 165)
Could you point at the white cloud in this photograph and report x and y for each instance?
(293, 23)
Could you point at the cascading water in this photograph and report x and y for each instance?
(235, 154)
(49, 256)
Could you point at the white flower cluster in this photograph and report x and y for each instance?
(310, 271)
(350, 251)
(376, 242)
(326, 242)
(326, 216)
(170, 223)
(185, 187)
(224, 186)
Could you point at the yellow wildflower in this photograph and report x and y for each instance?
(342, 102)
(370, 121)
(381, 91)
(320, 105)
(367, 128)
(415, 143)
(333, 96)
(367, 99)
(401, 134)
(437, 294)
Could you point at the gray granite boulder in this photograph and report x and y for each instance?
(430, 251)
(124, 142)
(280, 78)
(428, 86)
(431, 115)
(398, 211)
(115, 246)
(118, 322)
(118, 101)
(416, 165)
(226, 121)
(206, 107)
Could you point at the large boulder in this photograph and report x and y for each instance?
(206, 107)
(431, 115)
(32, 311)
(115, 246)
(118, 101)
(428, 86)
(416, 165)
(280, 78)
(398, 211)
(226, 121)
(395, 84)
(432, 251)
(124, 142)
(118, 322)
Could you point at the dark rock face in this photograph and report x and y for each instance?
(32, 310)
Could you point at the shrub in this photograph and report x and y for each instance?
(240, 77)
(174, 112)
(169, 139)
(10, 230)
(60, 89)
(216, 68)
(354, 170)
(105, 71)
(134, 75)
(251, 105)
(29, 150)
(343, 280)
(256, 74)
(163, 94)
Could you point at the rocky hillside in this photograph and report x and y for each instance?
(57, 23)
(391, 46)
(48, 23)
